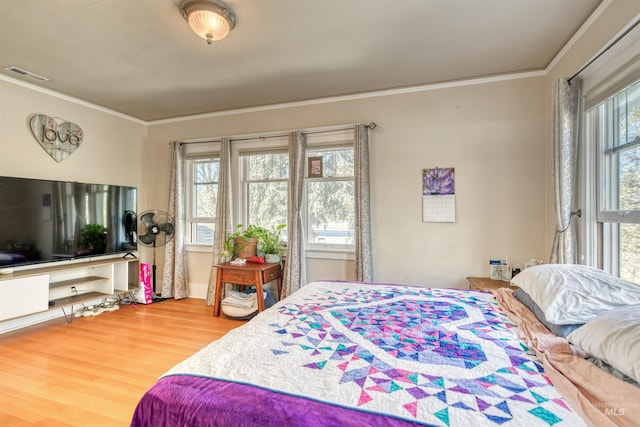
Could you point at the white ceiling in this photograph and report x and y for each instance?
(140, 58)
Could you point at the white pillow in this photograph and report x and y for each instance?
(613, 337)
(571, 294)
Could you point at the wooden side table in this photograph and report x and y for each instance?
(487, 284)
(250, 274)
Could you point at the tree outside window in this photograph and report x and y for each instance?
(202, 199)
(330, 198)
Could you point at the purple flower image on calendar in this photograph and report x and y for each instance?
(438, 181)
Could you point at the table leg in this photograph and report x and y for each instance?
(259, 291)
(217, 300)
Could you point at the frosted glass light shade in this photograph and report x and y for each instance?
(209, 19)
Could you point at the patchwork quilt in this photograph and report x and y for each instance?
(423, 356)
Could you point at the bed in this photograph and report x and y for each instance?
(364, 354)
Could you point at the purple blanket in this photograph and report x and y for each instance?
(196, 401)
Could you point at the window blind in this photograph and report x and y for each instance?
(613, 70)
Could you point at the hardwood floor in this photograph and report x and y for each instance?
(93, 371)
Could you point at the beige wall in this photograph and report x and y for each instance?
(112, 151)
(491, 132)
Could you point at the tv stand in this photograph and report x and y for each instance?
(65, 284)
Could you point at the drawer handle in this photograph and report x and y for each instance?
(271, 274)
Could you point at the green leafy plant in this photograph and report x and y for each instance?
(271, 239)
(239, 239)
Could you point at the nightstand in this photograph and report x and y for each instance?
(248, 274)
(487, 284)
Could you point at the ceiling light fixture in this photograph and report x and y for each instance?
(210, 19)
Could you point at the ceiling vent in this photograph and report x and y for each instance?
(25, 74)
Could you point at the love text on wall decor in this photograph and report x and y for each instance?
(59, 138)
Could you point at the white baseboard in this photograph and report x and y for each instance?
(23, 322)
(197, 290)
(33, 319)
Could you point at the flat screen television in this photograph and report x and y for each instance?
(47, 221)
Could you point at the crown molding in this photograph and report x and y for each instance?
(317, 101)
(68, 98)
(364, 95)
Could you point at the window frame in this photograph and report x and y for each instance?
(244, 181)
(606, 154)
(241, 145)
(600, 228)
(325, 146)
(190, 193)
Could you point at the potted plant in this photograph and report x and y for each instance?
(271, 243)
(243, 242)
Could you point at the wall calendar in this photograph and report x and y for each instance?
(438, 195)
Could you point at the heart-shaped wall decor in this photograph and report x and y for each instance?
(58, 138)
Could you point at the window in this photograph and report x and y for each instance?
(330, 208)
(202, 193)
(264, 182)
(260, 180)
(616, 135)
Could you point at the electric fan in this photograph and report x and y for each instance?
(155, 228)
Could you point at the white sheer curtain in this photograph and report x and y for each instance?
(223, 214)
(295, 269)
(566, 107)
(363, 253)
(174, 276)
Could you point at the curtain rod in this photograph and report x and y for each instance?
(605, 50)
(371, 125)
